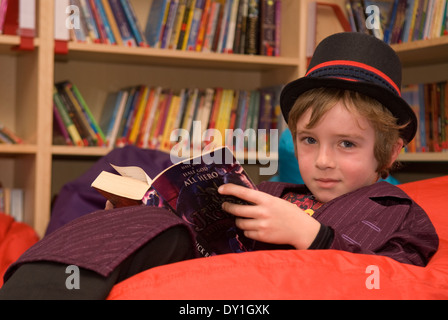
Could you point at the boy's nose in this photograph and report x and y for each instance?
(325, 158)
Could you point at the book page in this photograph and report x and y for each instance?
(133, 172)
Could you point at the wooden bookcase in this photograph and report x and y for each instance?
(27, 78)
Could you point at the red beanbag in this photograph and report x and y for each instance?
(320, 274)
(15, 239)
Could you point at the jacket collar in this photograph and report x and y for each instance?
(376, 190)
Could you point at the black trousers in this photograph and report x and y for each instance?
(47, 280)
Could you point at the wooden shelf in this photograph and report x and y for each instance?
(8, 42)
(17, 149)
(79, 151)
(423, 52)
(175, 58)
(102, 151)
(423, 157)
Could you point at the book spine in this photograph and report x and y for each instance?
(68, 119)
(224, 26)
(155, 22)
(139, 115)
(10, 135)
(80, 34)
(186, 24)
(252, 31)
(131, 117)
(145, 118)
(211, 27)
(99, 134)
(203, 26)
(3, 8)
(267, 28)
(133, 23)
(278, 27)
(169, 25)
(166, 102)
(218, 30)
(75, 117)
(126, 115)
(177, 24)
(122, 23)
(182, 104)
(59, 123)
(195, 24)
(228, 48)
(100, 25)
(105, 22)
(238, 27)
(151, 116)
(91, 25)
(90, 134)
(170, 121)
(11, 22)
(27, 18)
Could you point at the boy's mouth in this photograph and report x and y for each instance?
(326, 182)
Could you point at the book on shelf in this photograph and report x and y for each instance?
(106, 21)
(18, 17)
(399, 21)
(430, 104)
(8, 136)
(268, 28)
(189, 189)
(75, 115)
(159, 118)
(225, 26)
(12, 202)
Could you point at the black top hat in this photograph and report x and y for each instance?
(358, 62)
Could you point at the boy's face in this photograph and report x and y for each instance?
(336, 156)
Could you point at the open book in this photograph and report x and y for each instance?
(190, 190)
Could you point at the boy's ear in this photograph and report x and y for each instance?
(396, 151)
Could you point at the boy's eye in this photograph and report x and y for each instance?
(347, 144)
(309, 140)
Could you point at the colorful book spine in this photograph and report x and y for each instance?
(133, 23)
(105, 22)
(122, 23)
(68, 121)
(169, 25)
(111, 22)
(155, 22)
(90, 21)
(58, 124)
(195, 24)
(88, 114)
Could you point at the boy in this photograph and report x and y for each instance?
(348, 123)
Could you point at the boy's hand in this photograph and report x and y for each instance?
(270, 219)
(109, 205)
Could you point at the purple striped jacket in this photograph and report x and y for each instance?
(379, 219)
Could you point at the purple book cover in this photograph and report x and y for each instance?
(190, 188)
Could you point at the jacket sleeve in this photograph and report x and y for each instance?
(407, 236)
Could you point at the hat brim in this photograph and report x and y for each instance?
(395, 104)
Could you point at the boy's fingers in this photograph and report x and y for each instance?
(239, 210)
(244, 193)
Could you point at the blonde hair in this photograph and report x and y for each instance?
(321, 100)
